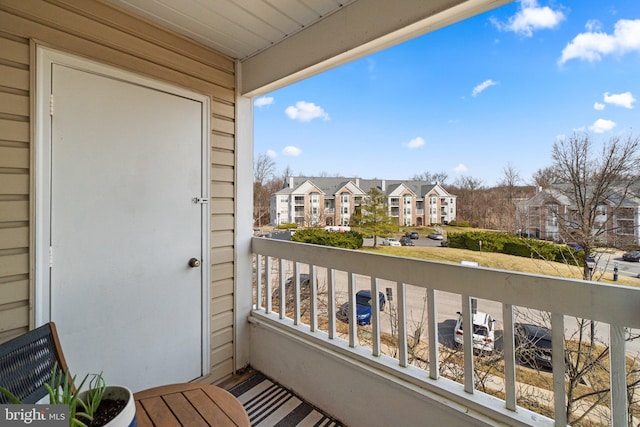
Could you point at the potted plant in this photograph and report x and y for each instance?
(99, 406)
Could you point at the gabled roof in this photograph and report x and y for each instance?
(332, 185)
(547, 195)
(559, 194)
(302, 187)
(399, 189)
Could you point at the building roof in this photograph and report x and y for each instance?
(331, 185)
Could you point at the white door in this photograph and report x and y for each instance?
(126, 162)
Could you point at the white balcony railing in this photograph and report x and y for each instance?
(615, 309)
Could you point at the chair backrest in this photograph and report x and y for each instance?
(27, 362)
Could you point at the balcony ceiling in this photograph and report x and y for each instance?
(281, 41)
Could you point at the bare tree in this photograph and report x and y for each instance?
(510, 180)
(504, 201)
(439, 177)
(263, 168)
(544, 178)
(597, 185)
(470, 197)
(286, 173)
(263, 171)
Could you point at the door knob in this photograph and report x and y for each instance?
(194, 262)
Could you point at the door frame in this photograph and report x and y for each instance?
(45, 59)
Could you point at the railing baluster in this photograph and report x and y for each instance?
(375, 318)
(283, 295)
(296, 294)
(313, 277)
(353, 318)
(258, 281)
(467, 346)
(267, 271)
(403, 357)
(618, 376)
(269, 281)
(331, 300)
(432, 325)
(557, 361)
(508, 341)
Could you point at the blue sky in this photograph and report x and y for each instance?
(469, 99)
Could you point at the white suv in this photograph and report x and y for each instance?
(483, 332)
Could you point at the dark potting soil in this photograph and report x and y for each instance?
(107, 410)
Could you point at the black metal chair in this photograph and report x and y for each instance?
(27, 362)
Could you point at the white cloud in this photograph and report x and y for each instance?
(625, 100)
(263, 101)
(415, 143)
(530, 18)
(593, 25)
(592, 46)
(272, 154)
(305, 112)
(482, 86)
(598, 106)
(292, 151)
(602, 125)
(460, 168)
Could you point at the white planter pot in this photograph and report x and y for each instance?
(126, 418)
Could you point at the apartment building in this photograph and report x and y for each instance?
(321, 201)
(618, 215)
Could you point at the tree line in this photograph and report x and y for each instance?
(587, 172)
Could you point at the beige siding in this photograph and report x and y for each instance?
(98, 31)
(14, 185)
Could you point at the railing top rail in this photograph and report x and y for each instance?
(607, 303)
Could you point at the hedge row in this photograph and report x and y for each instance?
(347, 240)
(287, 226)
(514, 245)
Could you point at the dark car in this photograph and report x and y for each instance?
(305, 281)
(414, 235)
(533, 345)
(363, 307)
(633, 256)
(406, 241)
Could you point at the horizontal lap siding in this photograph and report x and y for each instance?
(14, 185)
(98, 31)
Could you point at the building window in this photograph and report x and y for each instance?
(552, 215)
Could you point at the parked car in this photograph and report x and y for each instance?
(483, 332)
(574, 246)
(436, 236)
(412, 235)
(390, 242)
(406, 241)
(444, 243)
(363, 307)
(633, 256)
(533, 345)
(305, 282)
